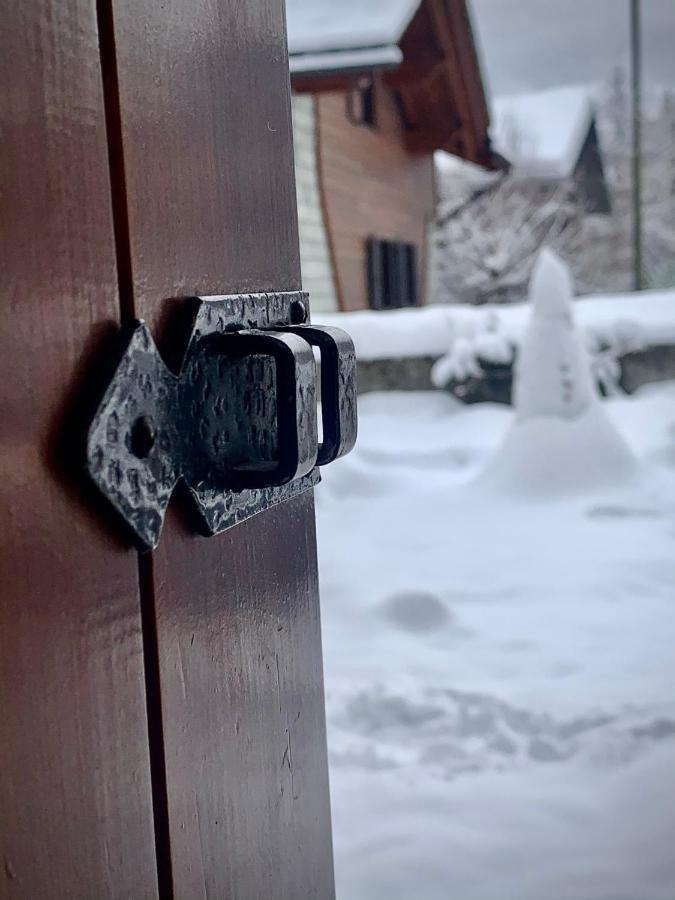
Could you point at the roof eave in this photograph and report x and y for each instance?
(321, 71)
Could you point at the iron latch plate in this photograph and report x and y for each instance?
(237, 422)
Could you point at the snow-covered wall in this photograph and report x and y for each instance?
(635, 319)
(317, 276)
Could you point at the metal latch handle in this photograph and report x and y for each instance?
(338, 388)
(296, 424)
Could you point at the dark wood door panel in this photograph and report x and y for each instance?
(204, 91)
(244, 709)
(75, 798)
(206, 136)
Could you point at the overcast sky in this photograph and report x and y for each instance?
(532, 44)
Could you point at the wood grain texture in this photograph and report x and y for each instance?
(439, 82)
(450, 27)
(371, 186)
(462, 36)
(205, 112)
(75, 802)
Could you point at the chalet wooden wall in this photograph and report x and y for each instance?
(371, 186)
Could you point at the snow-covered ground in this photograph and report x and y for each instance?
(500, 668)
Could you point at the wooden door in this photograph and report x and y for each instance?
(163, 718)
(75, 795)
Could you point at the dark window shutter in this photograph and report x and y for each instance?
(402, 274)
(368, 108)
(392, 274)
(411, 273)
(391, 282)
(375, 273)
(361, 105)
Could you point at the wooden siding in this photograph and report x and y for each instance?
(372, 186)
(315, 261)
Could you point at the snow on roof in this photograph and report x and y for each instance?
(542, 133)
(449, 165)
(458, 179)
(344, 60)
(315, 26)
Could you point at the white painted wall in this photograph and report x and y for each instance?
(315, 260)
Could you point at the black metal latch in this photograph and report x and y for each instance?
(238, 422)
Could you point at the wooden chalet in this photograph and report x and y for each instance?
(379, 85)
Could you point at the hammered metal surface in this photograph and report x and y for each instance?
(244, 431)
(139, 489)
(247, 383)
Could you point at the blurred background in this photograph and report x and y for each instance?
(486, 200)
(486, 196)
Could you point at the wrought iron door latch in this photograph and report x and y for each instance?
(238, 421)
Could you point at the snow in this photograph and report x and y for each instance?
(399, 333)
(643, 318)
(548, 456)
(449, 165)
(499, 663)
(561, 441)
(552, 369)
(343, 60)
(542, 133)
(458, 180)
(318, 25)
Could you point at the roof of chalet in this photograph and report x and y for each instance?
(542, 133)
(331, 35)
(426, 50)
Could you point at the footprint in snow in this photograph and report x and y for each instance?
(416, 612)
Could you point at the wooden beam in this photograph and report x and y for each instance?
(208, 153)
(415, 70)
(454, 75)
(460, 28)
(326, 84)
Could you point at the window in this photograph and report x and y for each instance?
(392, 274)
(361, 108)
